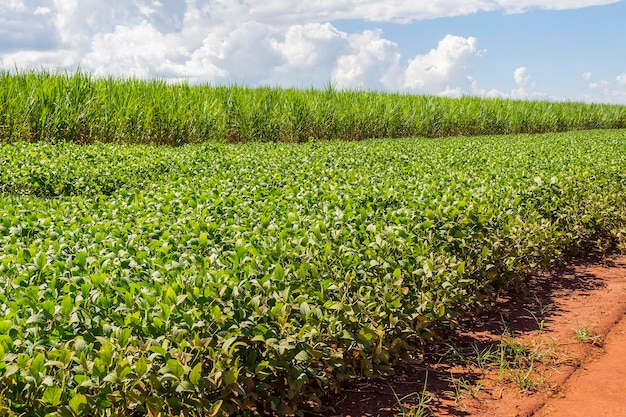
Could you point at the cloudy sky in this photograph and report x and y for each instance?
(538, 49)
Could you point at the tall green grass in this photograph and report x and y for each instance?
(41, 106)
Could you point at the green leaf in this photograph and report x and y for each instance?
(203, 239)
(48, 308)
(106, 354)
(67, 305)
(279, 272)
(427, 224)
(303, 356)
(78, 404)
(124, 336)
(112, 377)
(42, 260)
(141, 367)
(215, 408)
(216, 313)
(195, 374)
(428, 267)
(170, 296)
(80, 344)
(37, 366)
(229, 377)
(52, 396)
(5, 326)
(304, 309)
(80, 259)
(176, 368)
(37, 318)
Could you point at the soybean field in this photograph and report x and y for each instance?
(216, 279)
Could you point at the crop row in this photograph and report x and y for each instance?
(216, 279)
(38, 106)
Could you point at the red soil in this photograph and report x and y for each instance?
(572, 327)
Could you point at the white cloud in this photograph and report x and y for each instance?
(12, 6)
(244, 54)
(373, 63)
(445, 68)
(130, 51)
(521, 6)
(525, 88)
(50, 60)
(399, 10)
(587, 76)
(253, 41)
(605, 91)
(42, 11)
(308, 54)
(603, 84)
(521, 77)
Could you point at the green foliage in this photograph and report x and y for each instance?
(64, 169)
(215, 279)
(79, 108)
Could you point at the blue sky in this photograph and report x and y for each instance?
(530, 49)
(556, 47)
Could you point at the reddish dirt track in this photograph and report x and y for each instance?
(571, 322)
(599, 387)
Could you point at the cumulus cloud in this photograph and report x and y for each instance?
(253, 41)
(131, 51)
(399, 10)
(444, 69)
(373, 62)
(587, 76)
(603, 84)
(42, 11)
(605, 91)
(521, 6)
(525, 88)
(309, 54)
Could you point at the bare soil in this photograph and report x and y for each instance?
(556, 349)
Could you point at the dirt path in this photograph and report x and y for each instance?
(557, 349)
(599, 387)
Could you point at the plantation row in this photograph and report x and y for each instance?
(38, 106)
(212, 279)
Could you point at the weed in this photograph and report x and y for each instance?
(586, 334)
(464, 387)
(418, 410)
(527, 380)
(539, 317)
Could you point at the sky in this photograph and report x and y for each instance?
(527, 49)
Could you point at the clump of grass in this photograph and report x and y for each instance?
(42, 106)
(586, 334)
(464, 388)
(420, 409)
(514, 360)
